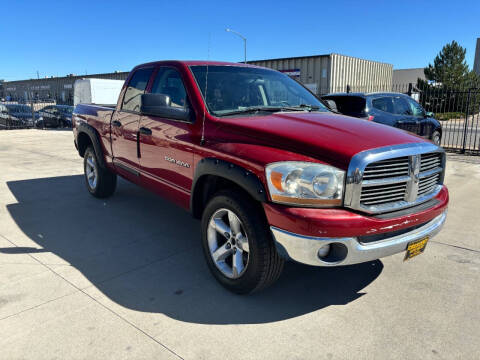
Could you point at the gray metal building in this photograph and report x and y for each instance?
(403, 77)
(333, 72)
(58, 88)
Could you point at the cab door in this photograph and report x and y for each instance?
(166, 154)
(426, 125)
(125, 124)
(405, 118)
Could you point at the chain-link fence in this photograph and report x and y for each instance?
(43, 103)
(48, 103)
(41, 114)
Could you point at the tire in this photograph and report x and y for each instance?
(100, 182)
(262, 265)
(437, 137)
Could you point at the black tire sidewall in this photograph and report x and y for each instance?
(255, 228)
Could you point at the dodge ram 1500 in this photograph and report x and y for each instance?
(270, 171)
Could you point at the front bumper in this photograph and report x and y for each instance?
(349, 250)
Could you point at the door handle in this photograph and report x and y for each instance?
(145, 131)
(116, 123)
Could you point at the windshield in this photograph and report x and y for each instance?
(19, 108)
(231, 89)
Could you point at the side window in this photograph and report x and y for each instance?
(136, 87)
(416, 109)
(383, 104)
(169, 82)
(401, 106)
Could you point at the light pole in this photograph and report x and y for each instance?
(244, 43)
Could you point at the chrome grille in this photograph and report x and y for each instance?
(430, 161)
(380, 194)
(387, 169)
(428, 184)
(395, 177)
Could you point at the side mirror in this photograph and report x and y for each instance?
(160, 105)
(429, 114)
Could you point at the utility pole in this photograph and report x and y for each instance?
(244, 43)
(38, 75)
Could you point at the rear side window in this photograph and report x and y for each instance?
(348, 105)
(401, 106)
(383, 104)
(136, 87)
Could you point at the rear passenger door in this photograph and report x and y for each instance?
(125, 124)
(383, 111)
(47, 116)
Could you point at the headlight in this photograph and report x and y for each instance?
(305, 184)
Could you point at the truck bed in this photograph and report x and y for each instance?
(98, 117)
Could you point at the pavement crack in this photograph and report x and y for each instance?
(455, 246)
(38, 305)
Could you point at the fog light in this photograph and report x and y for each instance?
(323, 251)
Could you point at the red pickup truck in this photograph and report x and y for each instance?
(270, 171)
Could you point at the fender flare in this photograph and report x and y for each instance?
(95, 139)
(242, 177)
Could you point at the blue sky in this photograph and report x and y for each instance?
(62, 37)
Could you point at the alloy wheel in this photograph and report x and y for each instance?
(228, 243)
(91, 171)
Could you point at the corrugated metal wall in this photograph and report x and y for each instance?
(332, 73)
(313, 69)
(361, 75)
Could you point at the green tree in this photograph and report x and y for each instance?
(450, 68)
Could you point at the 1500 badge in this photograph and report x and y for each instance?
(177, 162)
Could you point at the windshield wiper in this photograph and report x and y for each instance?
(256, 109)
(308, 107)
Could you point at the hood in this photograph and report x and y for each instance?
(328, 137)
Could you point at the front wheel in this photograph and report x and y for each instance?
(100, 182)
(436, 137)
(238, 244)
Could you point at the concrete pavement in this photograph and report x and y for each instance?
(82, 278)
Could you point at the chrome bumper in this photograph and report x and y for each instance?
(304, 249)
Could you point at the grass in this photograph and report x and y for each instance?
(449, 115)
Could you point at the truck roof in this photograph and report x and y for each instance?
(198, 62)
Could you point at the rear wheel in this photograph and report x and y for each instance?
(100, 182)
(238, 244)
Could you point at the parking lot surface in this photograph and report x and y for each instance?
(125, 278)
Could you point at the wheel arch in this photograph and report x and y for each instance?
(88, 135)
(212, 175)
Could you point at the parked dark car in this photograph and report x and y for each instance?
(15, 116)
(55, 116)
(397, 110)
